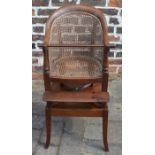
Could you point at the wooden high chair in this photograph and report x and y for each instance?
(76, 65)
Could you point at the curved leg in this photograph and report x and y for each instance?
(105, 131)
(48, 127)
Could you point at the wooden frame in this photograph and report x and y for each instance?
(96, 99)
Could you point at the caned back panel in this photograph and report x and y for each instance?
(76, 27)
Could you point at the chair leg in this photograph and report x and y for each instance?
(105, 132)
(48, 127)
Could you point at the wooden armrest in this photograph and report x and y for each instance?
(77, 45)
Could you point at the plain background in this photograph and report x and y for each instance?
(138, 77)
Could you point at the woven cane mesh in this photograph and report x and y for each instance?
(76, 62)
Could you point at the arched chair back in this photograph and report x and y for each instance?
(82, 26)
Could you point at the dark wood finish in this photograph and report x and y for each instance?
(46, 69)
(64, 96)
(89, 102)
(77, 112)
(48, 126)
(105, 128)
